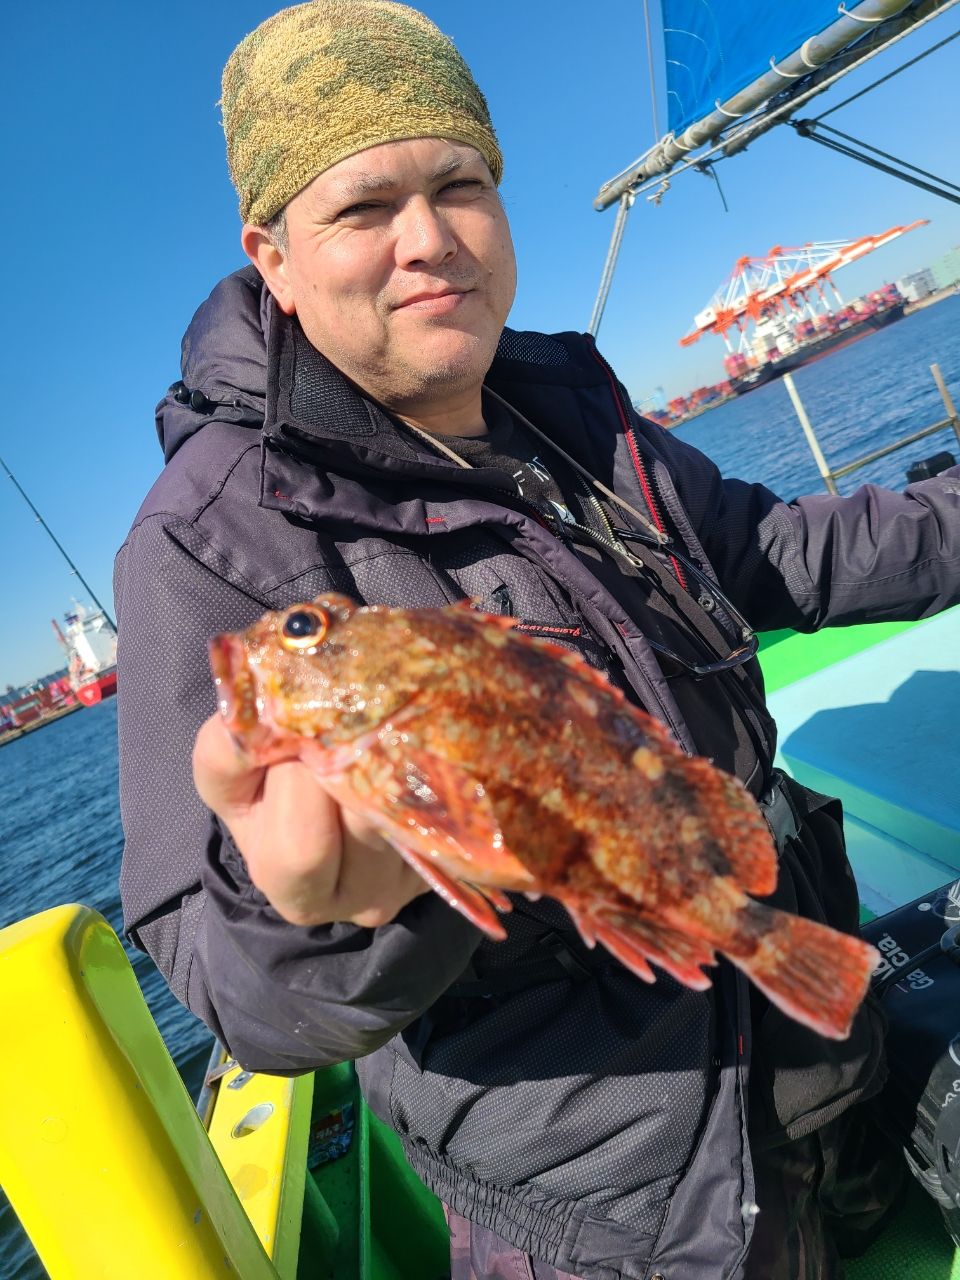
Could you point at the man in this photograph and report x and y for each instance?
(353, 416)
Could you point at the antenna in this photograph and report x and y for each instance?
(50, 534)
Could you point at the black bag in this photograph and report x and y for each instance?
(918, 981)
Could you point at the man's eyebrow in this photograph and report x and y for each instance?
(451, 166)
(365, 184)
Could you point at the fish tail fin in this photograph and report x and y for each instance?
(815, 974)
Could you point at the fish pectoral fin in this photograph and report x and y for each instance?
(496, 896)
(473, 903)
(636, 939)
(440, 820)
(446, 812)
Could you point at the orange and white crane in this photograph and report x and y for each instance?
(787, 280)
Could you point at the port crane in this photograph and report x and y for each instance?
(787, 281)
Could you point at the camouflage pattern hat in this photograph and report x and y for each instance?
(319, 82)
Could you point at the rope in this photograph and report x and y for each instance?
(889, 76)
(658, 537)
(807, 129)
(708, 169)
(436, 443)
(650, 72)
(886, 155)
(428, 436)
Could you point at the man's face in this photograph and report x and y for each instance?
(401, 270)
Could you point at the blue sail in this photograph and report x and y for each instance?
(716, 47)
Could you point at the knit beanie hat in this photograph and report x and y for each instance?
(319, 82)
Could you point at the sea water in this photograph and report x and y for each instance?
(60, 833)
(858, 399)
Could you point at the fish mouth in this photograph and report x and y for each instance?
(235, 684)
(239, 703)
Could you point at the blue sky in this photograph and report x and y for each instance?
(120, 218)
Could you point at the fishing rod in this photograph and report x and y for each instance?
(53, 538)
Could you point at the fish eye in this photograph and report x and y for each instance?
(303, 628)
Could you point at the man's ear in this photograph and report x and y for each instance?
(271, 262)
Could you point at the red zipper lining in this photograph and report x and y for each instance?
(638, 463)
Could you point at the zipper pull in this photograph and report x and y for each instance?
(561, 513)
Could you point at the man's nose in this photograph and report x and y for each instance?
(423, 236)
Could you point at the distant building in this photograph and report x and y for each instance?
(917, 285)
(946, 270)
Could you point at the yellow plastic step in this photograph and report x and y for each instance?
(260, 1129)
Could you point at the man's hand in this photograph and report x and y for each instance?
(313, 861)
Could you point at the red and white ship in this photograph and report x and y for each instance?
(90, 642)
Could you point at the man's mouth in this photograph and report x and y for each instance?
(437, 300)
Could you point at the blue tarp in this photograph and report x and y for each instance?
(714, 48)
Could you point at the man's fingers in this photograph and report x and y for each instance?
(224, 776)
(315, 862)
(300, 836)
(375, 882)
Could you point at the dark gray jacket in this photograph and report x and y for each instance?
(593, 1121)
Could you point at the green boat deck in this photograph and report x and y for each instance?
(878, 728)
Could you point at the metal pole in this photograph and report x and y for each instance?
(812, 441)
(891, 448)
(947, 398)
(49, 532)
(626, 204)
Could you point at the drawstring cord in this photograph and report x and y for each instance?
(658, 538)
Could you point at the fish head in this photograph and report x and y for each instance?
(303, 673)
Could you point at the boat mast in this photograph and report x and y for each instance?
(767, 101)
(50, 534)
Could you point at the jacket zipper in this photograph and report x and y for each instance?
(646, 483)
(607, 540)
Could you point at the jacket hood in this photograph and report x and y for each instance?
(224, 358)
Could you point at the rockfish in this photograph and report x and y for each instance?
(497, 763)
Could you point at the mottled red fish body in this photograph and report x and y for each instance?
(496, 761)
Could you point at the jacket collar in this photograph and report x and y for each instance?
(328, 449)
